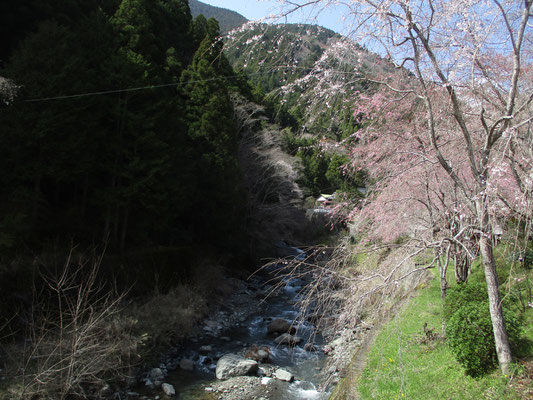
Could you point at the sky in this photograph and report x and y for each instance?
(258, 9)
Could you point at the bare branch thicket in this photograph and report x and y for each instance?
(77, 340)
(344, 297)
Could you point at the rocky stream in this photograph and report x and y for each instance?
(252, 347)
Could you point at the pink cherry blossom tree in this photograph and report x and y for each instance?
(449, 138)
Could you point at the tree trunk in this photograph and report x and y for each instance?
(503, 349)
(443, 281)
(462, 265)
(443, 267)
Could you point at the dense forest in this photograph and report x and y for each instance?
(121, 131)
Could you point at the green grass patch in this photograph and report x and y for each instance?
(408, 362)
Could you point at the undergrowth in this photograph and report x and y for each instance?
(83, 337)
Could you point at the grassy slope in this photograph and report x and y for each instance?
(403, 364)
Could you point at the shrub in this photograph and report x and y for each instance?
(462, 295)
(469, 331)
(166, 318)
(77, 339)
(469, 335)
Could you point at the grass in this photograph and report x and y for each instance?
(407, 363)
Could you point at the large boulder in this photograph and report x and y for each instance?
(283, 375)
(168, 389)
(279, 326)
(234, 365)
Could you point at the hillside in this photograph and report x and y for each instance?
(311, 71)
(227, 19)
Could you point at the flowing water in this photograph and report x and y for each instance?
(304, 365)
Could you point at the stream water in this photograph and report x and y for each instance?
(252, 330)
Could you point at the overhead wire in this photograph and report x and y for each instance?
(130, 89)
(134, 89)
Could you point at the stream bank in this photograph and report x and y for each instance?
(258, 322)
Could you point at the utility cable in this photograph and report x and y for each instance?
(134, 89)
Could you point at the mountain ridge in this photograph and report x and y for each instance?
(227, 19)
(310, 72)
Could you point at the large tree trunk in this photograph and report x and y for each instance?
(501, 339)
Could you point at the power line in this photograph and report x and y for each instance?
(175, 84)
(128, 89)
(100, 93)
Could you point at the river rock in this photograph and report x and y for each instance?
(148, 383)
(288, 339)
(157, 374)
(213, 325)
(212, 328)
(283, 375)
(265, 380)
(279, 326)
(186, 364)
(261, 354)
(234, 365)
(168, 389)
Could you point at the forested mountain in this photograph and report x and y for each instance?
(307, 76)
(310, 71)
(227, 19)
(121, 131)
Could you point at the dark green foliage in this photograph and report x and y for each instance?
(461, 296)
(469, 335)
(211, 129)
(526, 256)
(151, 175)
(137, 168)
(326, 173)
(469, 331)
(292, 144)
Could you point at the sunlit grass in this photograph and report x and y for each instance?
(405, 363)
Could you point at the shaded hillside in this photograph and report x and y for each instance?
(227, 19)
(88, 159)
(270, 177)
